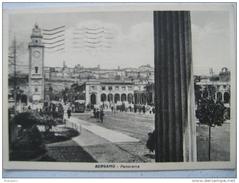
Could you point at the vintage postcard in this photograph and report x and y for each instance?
(120, 87)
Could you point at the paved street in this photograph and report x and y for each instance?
(122, 136)
(220, 142)
(133, 124)
(138, 125)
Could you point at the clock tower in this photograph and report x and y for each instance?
(36, 66)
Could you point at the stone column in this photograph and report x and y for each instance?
(113, 99)
(87, 95)
(174, 121)
(98, 97)
(223, 96)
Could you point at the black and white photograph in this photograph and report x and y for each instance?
(119, 88)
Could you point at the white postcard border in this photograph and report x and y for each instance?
(23, 165)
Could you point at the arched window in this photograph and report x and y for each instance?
(123, 97)
(36, 70)
(130, 98)
(103, 97)
(226, 97)
(110, 97)
(143, 98)
(117, 97)
(219, 96)
(150, 98)
(93, 99)
(136, 98)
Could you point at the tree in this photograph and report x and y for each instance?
(210, 112)
(198, 93)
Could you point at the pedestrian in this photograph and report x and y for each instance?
(143, 108)
(153, 110)
(140, 108)
(130, 108)
(94, 112)
(69, 112)
(97, 113)
(101, 115)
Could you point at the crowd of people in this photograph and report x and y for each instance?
(98, 110)
(98, 113)
(140, 108)
(56, 109)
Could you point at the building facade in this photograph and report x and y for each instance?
(144, 72)
(109, 92)
(101, 85)
(219, 84)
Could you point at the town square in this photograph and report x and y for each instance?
(110, 87)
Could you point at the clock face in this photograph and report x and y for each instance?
(36, 54)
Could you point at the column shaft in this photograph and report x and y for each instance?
(173, 74)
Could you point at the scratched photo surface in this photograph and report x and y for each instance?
(119, 89)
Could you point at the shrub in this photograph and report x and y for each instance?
(151, 142)
(27, 119)
(66, 134)
(28, 146)
(227, 113)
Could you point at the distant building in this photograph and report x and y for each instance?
(145, 72)
(101, 85)
(108, 92)
(225, 75)
(220, 82)
(61, 77)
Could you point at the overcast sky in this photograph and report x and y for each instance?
(132, 44)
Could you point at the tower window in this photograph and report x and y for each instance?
(36, 89)
(36, 70)
(36, 41)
